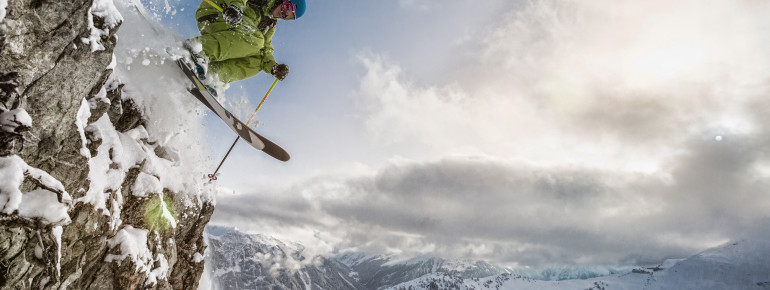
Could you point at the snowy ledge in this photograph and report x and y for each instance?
(132, 243)
(106, 11)
(47, 204)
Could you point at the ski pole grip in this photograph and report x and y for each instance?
(214, 5)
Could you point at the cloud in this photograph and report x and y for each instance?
(508, 212)
(582, 132)
(638, 70)
(639, 77)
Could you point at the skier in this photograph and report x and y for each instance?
(236, 43)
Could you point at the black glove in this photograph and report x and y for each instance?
(280, 71)
(233, 15)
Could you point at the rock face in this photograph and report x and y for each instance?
(59, 54)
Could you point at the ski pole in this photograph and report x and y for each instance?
(214, 176)
(214, 5)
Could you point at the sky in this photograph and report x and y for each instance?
(609, 132)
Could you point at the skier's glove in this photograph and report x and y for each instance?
(232, 15)
(280, 71)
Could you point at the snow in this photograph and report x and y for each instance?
(568, 272)
(197, 258)
(139, 133)
(742, 264)
(43, 204)
(10, 120)
(168, 152)
(81, 121)
(132, 243)
(118, 153)
(158, 89)
(36, 204)
(12, 175)
(104, 9)
(160, 272)
(166, 214)
(308, 283)
(346, 280)
(3, 5)
(113, 62)
(104, 179)
(669, 263)
(48, 181)
(206, 282)
(221, 271)
(405, 260)
(57, 231)
(146, 184)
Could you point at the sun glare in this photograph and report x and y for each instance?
(664, 64)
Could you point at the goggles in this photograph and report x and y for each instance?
(289, 10)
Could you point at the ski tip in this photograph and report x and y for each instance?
(280, 156)
(275, 151)
(181, 62)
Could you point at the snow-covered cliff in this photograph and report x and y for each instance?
(100, 178)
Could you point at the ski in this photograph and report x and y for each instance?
(200, 92)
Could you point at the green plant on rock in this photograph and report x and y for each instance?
(159, 213)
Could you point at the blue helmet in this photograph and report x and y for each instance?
(299, 7)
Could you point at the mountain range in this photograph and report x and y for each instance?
(236, 260)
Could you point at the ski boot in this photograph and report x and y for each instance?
(212, 91)
(200, 62)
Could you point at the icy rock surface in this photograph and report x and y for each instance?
(98, 153)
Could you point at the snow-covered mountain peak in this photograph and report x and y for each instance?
(234, 235)
(237, 260)
(744, 264)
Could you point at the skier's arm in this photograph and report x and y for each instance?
(268, 60)
(227, 3)
(206, 9)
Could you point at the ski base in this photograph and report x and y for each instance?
(200, 92)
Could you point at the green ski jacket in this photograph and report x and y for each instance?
(236, 53)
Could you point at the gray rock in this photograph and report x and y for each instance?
(41, 42)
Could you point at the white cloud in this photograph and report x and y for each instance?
(576, 82)
(395, 105)
(583, 132)
(515, 213)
